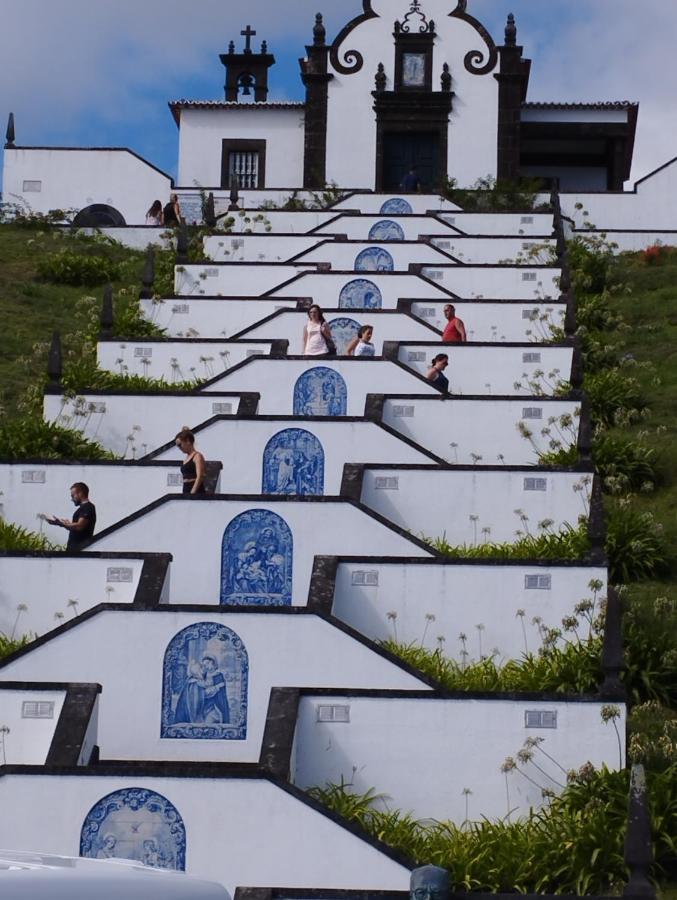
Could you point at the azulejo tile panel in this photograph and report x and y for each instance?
(374, 259)
(320, 392)
(360, 294)
(135, 823)
(293, 463)
(343, 330)
(387, 230)
(204, 684)
(256, 560)
(396, 206)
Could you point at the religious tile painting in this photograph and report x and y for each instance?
(413, 69)
(293, 463)
(256, 560)
(396, 206)
(374, 259)
(360, 294)
(386, 230)
(138, 824)
(204, 685)
(343, 331)
(320, 392)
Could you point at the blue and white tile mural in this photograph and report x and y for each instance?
(135, 823)
(320, 392)
(204, 685)
(256, 560)
(374, 259)
(387, 230)
(360, 294)
(343, 331)
(293, 463)
(396, 206)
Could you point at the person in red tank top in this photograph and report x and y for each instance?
(454, 333)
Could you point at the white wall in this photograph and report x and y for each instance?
(649, 206)
(260, 828)
(85, 581)
(358, 227)
(473, 120)
(294, 651)
(150, 420)
(136, 238)
(117, 490)
(240, 445)
(210, 317)
(455, 430)
(29, 740)
(258, 247)
(527, 224)
(203, 130)
(192, 530)
(458, 745)
(184, 360)
(235, 279)
(496, 249)
(498, 282)
(78, 178)
(342, 255)
(435, 600)
(494, 369)
(436, 503)
(325, 288)
(388, 326)
(370, 203)
(275, 379)
(506, 321)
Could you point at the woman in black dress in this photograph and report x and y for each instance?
(436, 374)
(193, 467)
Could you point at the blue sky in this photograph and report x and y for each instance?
(100, 72)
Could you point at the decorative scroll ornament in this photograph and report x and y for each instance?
(350, 61)
(415, 20)
(477, 62)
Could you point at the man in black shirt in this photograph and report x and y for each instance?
(81, 527)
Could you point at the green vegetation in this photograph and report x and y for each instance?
(490, 195)
(28, 437)
(14, 537)
(573, 845)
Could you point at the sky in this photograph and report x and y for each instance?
(100, 72)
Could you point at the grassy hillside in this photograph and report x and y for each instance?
(33, 305)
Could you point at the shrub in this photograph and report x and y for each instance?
(490, 194)
(11, 645)
(32, 437)
(16, 538)
(624, 462)
(68, 267)
(568, 543)
(649, 629)
(635, 545)
(613, 396)
(574, 845)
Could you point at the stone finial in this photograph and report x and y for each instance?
(148, 276)
(511, 32)
(429, 883)
(446, 78)
(107, 318)
(182, 243)
(55, 360)
(10, 134)
(234, 193)
(319, 31)
(613, 661)
(380, 78)
(209, 212)
(638, 846)
(264, 48)
(231, 47)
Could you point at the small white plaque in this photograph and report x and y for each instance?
(387, 483)
(333, 713)
(37, 709)
(33, 476)
(540, 718)
(222, 409)
(403, 412)
(143, 352)
(119, 575)
(535, 484)
(174, 480)
(364, 578)
(538, 582)
(180, 309)
(531, 357)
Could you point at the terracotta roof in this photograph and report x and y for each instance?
(177, 105)
(603, 104)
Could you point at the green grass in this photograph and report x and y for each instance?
(31, 307)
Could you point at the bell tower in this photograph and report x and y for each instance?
(247, 72)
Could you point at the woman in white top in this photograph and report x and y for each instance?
(316, 334)
(362, 345)
(154, 214)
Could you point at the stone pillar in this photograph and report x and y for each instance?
(316, 79)
(513, 79)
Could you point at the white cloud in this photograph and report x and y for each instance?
(70, 63)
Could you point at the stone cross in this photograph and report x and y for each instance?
(248, 34)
